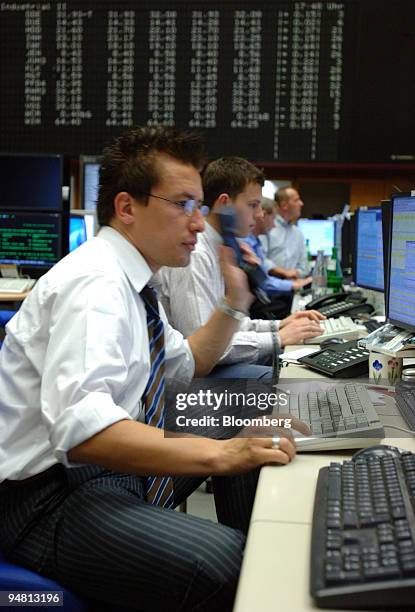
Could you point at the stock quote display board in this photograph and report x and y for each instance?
(272, 81)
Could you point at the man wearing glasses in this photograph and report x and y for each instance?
(88, 481)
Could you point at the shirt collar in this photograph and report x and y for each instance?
(282, 221)
(130, 259)
(212, 235)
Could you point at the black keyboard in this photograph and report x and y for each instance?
(363, 539)
(405, 400)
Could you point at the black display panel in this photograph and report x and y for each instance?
(31, 182)
(31, 239)
(272, 81)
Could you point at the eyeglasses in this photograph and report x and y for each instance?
(188, 206)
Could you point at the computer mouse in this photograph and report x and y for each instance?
(379, 450)
(328, 341)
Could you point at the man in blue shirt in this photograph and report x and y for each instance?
(279, 290)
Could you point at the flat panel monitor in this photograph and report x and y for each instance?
(402, 262)
(31, 182)
(90, 167)
(31, 239)
(369, 249)
(82, 227)
(386, 234)
(320, 233)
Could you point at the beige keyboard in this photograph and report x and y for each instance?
(16, 285)
(343, 327)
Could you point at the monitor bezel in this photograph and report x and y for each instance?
(356, 249)
(405, 326)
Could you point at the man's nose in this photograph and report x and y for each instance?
(197, 221)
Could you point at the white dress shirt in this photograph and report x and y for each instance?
(284, 245)
(190, 295)
(76, 357)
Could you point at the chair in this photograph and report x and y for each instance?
(15, 578)
(5, 316)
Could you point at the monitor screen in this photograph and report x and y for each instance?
(30, 182)
(369, 249)
(402, 262)
(82, 227)
(90, 181)
(30, 239)
(320, 234)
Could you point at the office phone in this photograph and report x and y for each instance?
(346, 360)
(256, 275)
(338, 304)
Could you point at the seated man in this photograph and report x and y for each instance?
(278, 290)
(88, 480)
(284, 245)
(190, 295)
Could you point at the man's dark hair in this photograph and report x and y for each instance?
(229, 175)
(130, 163)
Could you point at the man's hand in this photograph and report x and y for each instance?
(248, 255)
(289, 274)
(299, 330)
(299, 283)
(238, 295)
(313, 315)
(244, 454)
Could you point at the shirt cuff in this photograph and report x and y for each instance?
(81, 421)
(266, 345)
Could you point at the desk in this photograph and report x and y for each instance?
(13, 297)
(276, 568)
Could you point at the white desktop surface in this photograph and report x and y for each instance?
(275, 574)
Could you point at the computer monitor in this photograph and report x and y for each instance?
(82, 227)
(320, 233)
(90, 167)
(402, 262)
(386, 235)
(369, 249)
(32, 240)
(31, 182)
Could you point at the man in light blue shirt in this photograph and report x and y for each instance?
(279, 290)
(264, 224)
(284, 245)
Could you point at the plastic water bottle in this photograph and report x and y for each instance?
(319, 282)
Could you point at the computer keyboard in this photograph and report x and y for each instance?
(363, 536)
(16, 285)
(343, 327)
(344, 411)
(405, 401)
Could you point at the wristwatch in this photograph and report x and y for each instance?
(231, 312)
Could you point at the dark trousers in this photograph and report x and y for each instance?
(92, 530)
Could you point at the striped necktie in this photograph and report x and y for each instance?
(159, 489)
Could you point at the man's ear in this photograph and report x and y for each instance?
(222, 200)
(123, 207)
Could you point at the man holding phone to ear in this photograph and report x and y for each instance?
(190, 295)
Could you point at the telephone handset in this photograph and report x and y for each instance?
(339, 304)
(256, 276)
